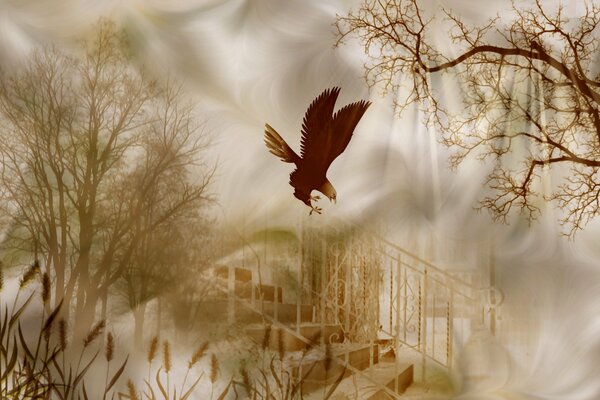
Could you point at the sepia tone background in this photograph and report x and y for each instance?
(244, 63)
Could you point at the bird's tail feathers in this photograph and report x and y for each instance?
(277, 146)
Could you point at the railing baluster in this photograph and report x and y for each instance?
(398, 308)
(433, 326)
(337, 288)
(450, 328)
(347, 294)
(404, 327)
(391, 308)
(231, 293)
(275, 300)
(299, 287)
(424, 322)
(323, 289)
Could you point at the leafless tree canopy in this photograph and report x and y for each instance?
(529, 89)
(95, 157)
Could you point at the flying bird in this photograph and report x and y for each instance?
(325, 136)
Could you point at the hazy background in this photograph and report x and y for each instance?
(250, 62)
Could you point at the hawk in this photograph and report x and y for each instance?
(325, 136)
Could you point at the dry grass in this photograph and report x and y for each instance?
(273, 379)
(34, 364)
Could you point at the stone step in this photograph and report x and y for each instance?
(244, 290)
(241, 274)
(279, 338)
(286, 313)
(322, 372)
(216, 310)
(367, 384)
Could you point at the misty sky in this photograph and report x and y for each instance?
(250, 62)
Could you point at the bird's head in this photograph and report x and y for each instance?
(328, 190)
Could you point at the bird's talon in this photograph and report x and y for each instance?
(315, 209)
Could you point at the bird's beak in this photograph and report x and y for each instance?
(333, 200)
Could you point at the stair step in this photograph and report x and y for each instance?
(244, 290)
(363, 386)
(216, 310)
(289, 342)
(241, 274)
(286, 313)
(320, 373)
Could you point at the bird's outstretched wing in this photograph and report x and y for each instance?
(316, 129)
(344, 122)
(278, 146)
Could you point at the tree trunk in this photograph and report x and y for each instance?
(139, 316)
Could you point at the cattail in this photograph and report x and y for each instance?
(214, 369)
(166, 356)
(45, 287)
(94, 333)
(62, 333)
(246, 380)
(152, 349)
(198, 355)
(110, 347)
(266, 337)
(133, 394)
(30, 274)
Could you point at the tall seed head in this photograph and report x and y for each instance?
(110, 347)
(29, 274)
(198, 355)
(45, 288)
(214, 369)
(152, 349)
(166, 356)
(94, 333)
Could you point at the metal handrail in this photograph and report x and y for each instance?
(422, 261)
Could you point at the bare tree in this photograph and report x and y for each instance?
(529, 90)
(87, 144)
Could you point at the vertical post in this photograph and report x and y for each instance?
(433, 315)
(253, 289)
(424, 339)
(492, 267)
(347, 294)
(299, 292)
(450, 328)
(405, 297)
(323, 287)
(275, 300)
(398, 310)
(231, 294)
(392, 296)
(337, 287)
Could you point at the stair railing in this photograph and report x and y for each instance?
(426, 308)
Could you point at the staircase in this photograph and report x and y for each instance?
(317, 353)
(359, 317)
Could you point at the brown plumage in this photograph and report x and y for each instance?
(325, 136)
